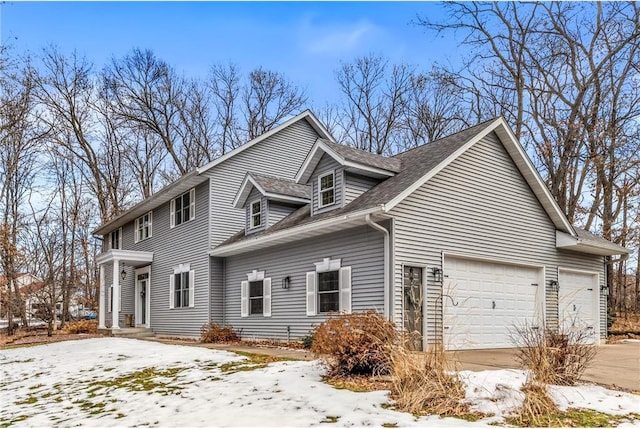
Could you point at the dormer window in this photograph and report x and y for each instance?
(256, 214)
(326, 189)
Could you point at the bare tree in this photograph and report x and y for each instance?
(224, 83)
(375, 99)
(268, 98)
(18, 152)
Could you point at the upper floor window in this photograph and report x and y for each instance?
(256, 214)
(183, 208)
(143, 226)
(115, 239)
(326, 189)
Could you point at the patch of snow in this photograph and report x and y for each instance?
(71, 383)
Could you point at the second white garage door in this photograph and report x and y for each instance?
(578, 304)
(491, 299)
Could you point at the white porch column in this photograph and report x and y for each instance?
(102, 299)
(115, 295)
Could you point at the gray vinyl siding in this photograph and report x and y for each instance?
(480, 205)
(355, 185)
(281, 154)
(326, 165)
(254, 196)
(360, 248)
(217, 289)
(184, 244)
(278, 211)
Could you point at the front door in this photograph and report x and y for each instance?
(413, 306)
(142, 299)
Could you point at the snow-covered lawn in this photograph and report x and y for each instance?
(122, 382)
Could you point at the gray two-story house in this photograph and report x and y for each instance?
(457, 240)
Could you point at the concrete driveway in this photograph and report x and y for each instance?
(615, 365)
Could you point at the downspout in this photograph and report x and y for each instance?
(387, 268)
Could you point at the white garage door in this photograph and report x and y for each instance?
(578, 303)
(491, 299)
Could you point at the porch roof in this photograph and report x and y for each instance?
(130, 257)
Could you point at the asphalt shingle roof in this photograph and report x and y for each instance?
(413, 164)
(364, 157)
(277, 185)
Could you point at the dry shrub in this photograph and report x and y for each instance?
(355, 344)
(425, 383)
(214, 333)
(81, 327)
(553, 357)
(538, 409)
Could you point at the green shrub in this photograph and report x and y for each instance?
(214, 333)
(307, 341)
(355, 344)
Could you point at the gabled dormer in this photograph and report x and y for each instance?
(269, 199)
(339, 174)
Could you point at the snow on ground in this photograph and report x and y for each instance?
(100, 382)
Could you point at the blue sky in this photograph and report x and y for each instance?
(306, 40)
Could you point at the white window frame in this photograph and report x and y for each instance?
(140, 227)
(192, 208)
(119, 231)
(245, 307)
(252, 225)
(331, 173)
(344, 288)
(180, 270)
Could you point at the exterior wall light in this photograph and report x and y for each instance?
(604, 290)
(554, 285)
(437, 274)
(286, 282)
(123, 273)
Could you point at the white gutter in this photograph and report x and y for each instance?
(288, 234)
(387, 269)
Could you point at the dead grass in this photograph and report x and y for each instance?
(36, 336)
(426, 383)
(359, 383)
(553, 357)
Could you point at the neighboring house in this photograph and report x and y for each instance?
(457, 240)
(30, 291)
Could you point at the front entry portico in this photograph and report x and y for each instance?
(117, 258)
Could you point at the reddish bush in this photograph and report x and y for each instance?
(214, 333)
(81, 327)
(355, 344)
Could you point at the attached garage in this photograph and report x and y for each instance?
(578, 302)
(483, 300)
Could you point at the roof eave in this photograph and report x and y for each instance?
(295, 233)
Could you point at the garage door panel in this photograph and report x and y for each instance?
(491, 298)
(578, 303)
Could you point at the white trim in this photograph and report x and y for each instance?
(255, 276)
(487, 259)
(286, 198)
(499, 126)
(243, 193)
(328, 264)
(311, 163)
(137, 308)
(333, 187)
(229, 249)
(181, 268)
(595, 295)
(307, 114)
(252, 214)
(128, 256)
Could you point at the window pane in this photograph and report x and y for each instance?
(326, 181)
(328, 281)
(255, 289)
(185, 280)
(256, 306)
(327, 197)
(178, 204)
(186, 213)
(255, 220)
(328, 302)
(185, 297)
(178, 217)
(177, 296)
(255, 207)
